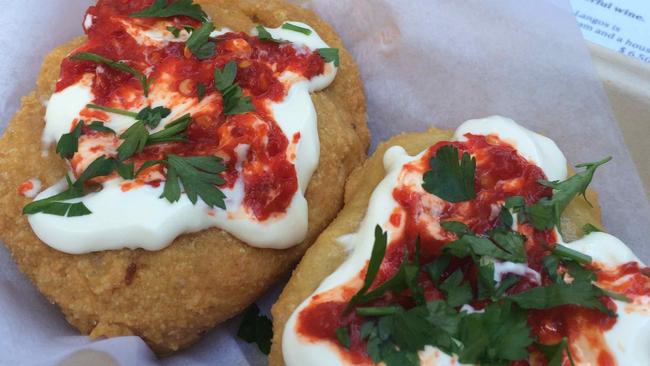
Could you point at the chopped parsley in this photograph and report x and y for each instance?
(330, 55)
(199, 176)
(555, 353)
(176, 32)
(137, 136)
(69, 142)
(498, 334)
(117, 65)
(134, 140)
(57, 205)
(199, 42)
(163, 9)
(545, 214)
(264, 35)
(200, 90)
(450, 179)
(100, 127)
(296, 28)
(233, 100)
(256, 328)
(343, 335)
(152, 116)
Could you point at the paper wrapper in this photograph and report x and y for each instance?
(424, 63)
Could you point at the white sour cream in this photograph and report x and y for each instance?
(629, 339)
(138, 218)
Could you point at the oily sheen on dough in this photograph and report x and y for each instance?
(172, 296)
(326, 255)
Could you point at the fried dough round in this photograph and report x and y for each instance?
(326, 255)
(171, 296)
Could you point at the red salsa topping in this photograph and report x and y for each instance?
(267, 166)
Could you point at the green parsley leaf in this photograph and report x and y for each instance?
(173, 132)
(485, 281)
(69, 142)
(161, 9)
(457, 291)
(147, 165)
(568, 253)
(343, 335)
(376, 258)
(200, 90)
(264, 35)
(137, 135)
(174, 31)
(134, 140)
(199, 42)
(505, 218)
(152, 116)
(256, 328)
(330, 55)
(117, 65)
(505, 284)
(199, 176)
(497, 336)
(296, 28)
(378, 310)
(226, 78)
(451, 179)
(589, 228)
(126, 171)
(455, 227)
(437, 268)
(233, 100)
(512, 242)
(56, 205)
(101, 167)
(476, 246)
(557, 294)
(406, 277)
(100, 127)
(555, 353)
(112, 110)
(546, 213)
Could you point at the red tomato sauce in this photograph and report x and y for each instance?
(500, 173)
(268, 172)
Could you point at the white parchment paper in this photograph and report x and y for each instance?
(424, 63)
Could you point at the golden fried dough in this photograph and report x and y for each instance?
(326, 255)
(170, 297)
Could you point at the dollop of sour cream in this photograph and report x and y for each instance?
(138, 218)
(630, 337)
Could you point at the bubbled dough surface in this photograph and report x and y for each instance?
(202, 279)
(326, 255)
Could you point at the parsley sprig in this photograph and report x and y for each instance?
(58, 205)
(161, 9)
(117, 65)
(69, 142)
(199, 42)
(330, 55)
(256, 328)
(296, 28)
(233, 100)
(451, 179)
(137, 136)
(547, 212)
(199, 176)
